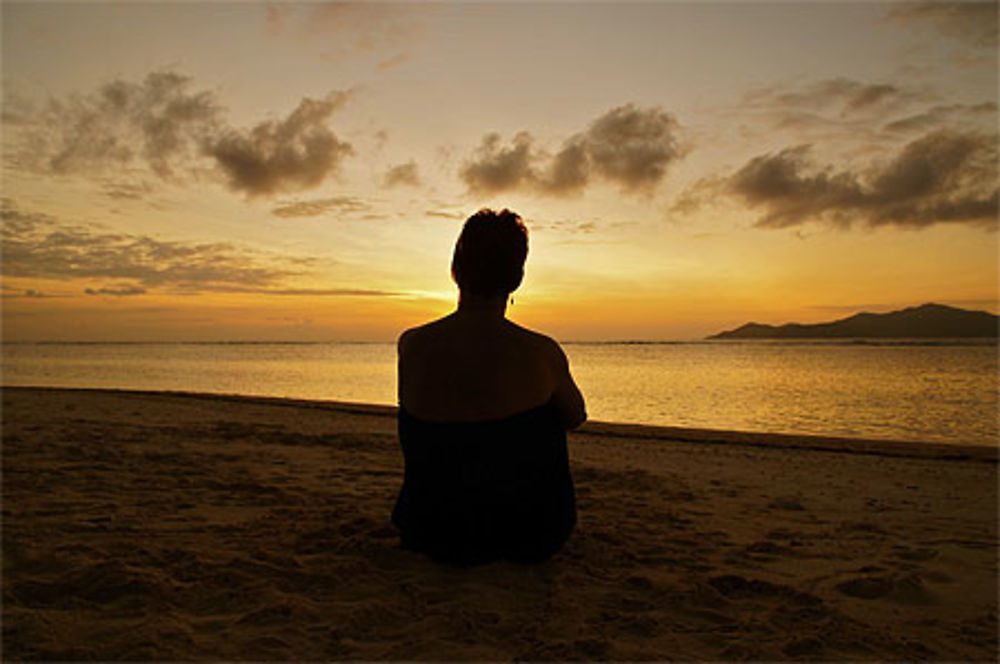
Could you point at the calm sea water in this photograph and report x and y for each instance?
(943, 391)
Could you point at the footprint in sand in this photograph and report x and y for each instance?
(918, 555)
(906, 589)
(733, 586)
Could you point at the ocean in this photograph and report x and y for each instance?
(938, 391)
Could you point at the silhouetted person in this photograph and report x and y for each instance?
(484, 406)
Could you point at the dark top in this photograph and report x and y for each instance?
(480, 491)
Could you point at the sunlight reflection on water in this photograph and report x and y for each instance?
(921, 392)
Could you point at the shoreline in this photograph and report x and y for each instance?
(599, 428)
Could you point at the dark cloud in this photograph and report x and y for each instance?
(569, 171)
(403, 174)
(157, 122)
(494, 168)
(124, 291)
(973, 22)
(161, 124)
(628, 146)
(293, 154)
(319, 206)
(633, 147)
(939, 178)
(10, 293)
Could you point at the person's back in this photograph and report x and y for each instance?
(472, 366)
(484, 409)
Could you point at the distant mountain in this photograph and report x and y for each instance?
(924, 322)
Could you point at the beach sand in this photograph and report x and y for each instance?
(147, 526)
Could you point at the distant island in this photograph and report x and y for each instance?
(928, 321)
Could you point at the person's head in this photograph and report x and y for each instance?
(490, 253)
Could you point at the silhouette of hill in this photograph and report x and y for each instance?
(924, 322)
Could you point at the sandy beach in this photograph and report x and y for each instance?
(158, 526)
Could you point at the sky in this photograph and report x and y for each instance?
(300, 171)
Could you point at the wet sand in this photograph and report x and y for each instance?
(146, 526)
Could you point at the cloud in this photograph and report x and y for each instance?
(116, 292)
(842, 94)
(346, 29)
(971, 115)
(275, 19)
(942, 177)
(127, 190)
(564, 226)
(973, 22)
(295, 153)
(394, 61)
(444, 215)
(633, 147)
(156, 122)
(311, 292)
(319, 206)
(159, 123)
(39, 246)
(10, 293)
(840, 108)
(403, 174)
(494, 168)
(627, 146)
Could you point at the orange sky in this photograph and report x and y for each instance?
(300, 171)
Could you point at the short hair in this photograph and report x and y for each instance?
(490, 253)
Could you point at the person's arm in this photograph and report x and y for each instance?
(566, 395)
(401, 375)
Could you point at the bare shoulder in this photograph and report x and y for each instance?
(415, 337)
(544, 346)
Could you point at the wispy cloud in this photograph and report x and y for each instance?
(276, 19)
(566, 226)
(11, 293)
(972, 22)
(627, 146)
(950, 115)
(841, 95)
(340, 31)
(441, 214)
(127, 190)
(842, 109)
(40, 246)
(402, 174)
(347, 28)
(942, 177)
(320, 206)
(309, 292)
(124, 291)
(392, 62)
